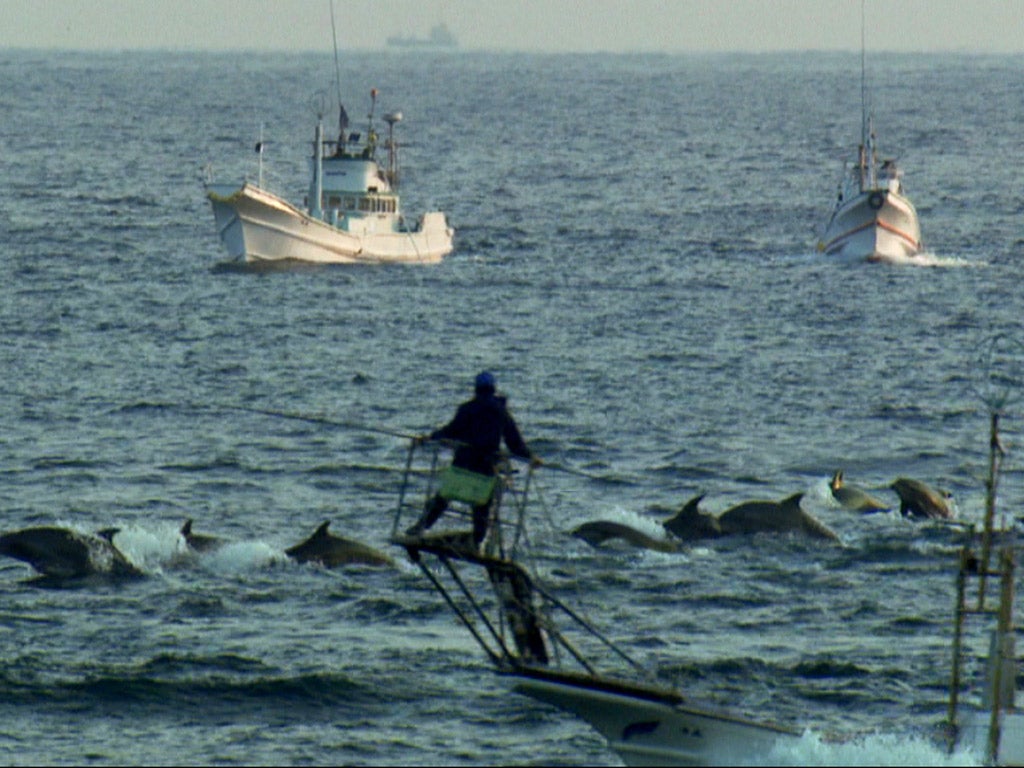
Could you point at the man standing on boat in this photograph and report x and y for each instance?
(478, 428)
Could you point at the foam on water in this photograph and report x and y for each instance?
(150, 549)
(242, 556)
(868, 750)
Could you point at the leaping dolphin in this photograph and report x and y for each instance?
(853, 498)
(63, 553)
(329, 550)
(598, 532)
(784, 516)
(919, 500)
(322, 547)
(200, 542)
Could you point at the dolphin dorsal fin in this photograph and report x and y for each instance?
(837, 480)
(688, 509)
(793, 500)
(186, 529)
(322, 530)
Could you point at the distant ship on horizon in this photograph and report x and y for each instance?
(440, 37)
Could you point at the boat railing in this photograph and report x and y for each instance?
(1000, 672)
(504, 604)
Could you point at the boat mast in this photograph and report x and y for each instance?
(392, 171)
(342, 115)
(863, 107)
(317, 192)
(868, 177)
(259, 150)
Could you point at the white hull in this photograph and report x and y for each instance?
(875, 225)
(974, 735)
(652, 727)
(261, 227)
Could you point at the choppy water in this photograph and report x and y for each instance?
(635, 261)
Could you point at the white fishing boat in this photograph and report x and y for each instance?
(351, 214)
(873, 219)
(512, 616)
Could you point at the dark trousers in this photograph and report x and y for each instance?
(439, 504)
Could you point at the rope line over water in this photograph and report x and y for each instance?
(332, 422)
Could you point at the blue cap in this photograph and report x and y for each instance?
(485, 379)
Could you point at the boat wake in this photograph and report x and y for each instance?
(927, 259)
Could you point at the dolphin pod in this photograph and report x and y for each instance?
(854, 498)
(322, 548)
(785, 516)
(690, 524)
(63, 553)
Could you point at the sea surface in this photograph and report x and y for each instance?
(635, 261)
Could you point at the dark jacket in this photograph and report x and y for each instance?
(479, 427)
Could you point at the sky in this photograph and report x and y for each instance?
(975, 26)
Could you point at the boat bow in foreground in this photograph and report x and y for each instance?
(512, 617)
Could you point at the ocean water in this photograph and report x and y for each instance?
(635, 260)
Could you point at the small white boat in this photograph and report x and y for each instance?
(873, 219)
(351, 214)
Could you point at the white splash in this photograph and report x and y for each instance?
(868, 749)
(241, 556)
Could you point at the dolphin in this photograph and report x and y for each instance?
(598, 532)
(329, 550)
(748, 517)
(63, 553)
(200, 542)
(773, 516)
(689, 523)
(918, 500)
(853, 498)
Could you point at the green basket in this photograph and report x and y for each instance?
(459, 484)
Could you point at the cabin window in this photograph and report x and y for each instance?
(364, 204)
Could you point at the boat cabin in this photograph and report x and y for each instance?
(353, 187)
(890, 177)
